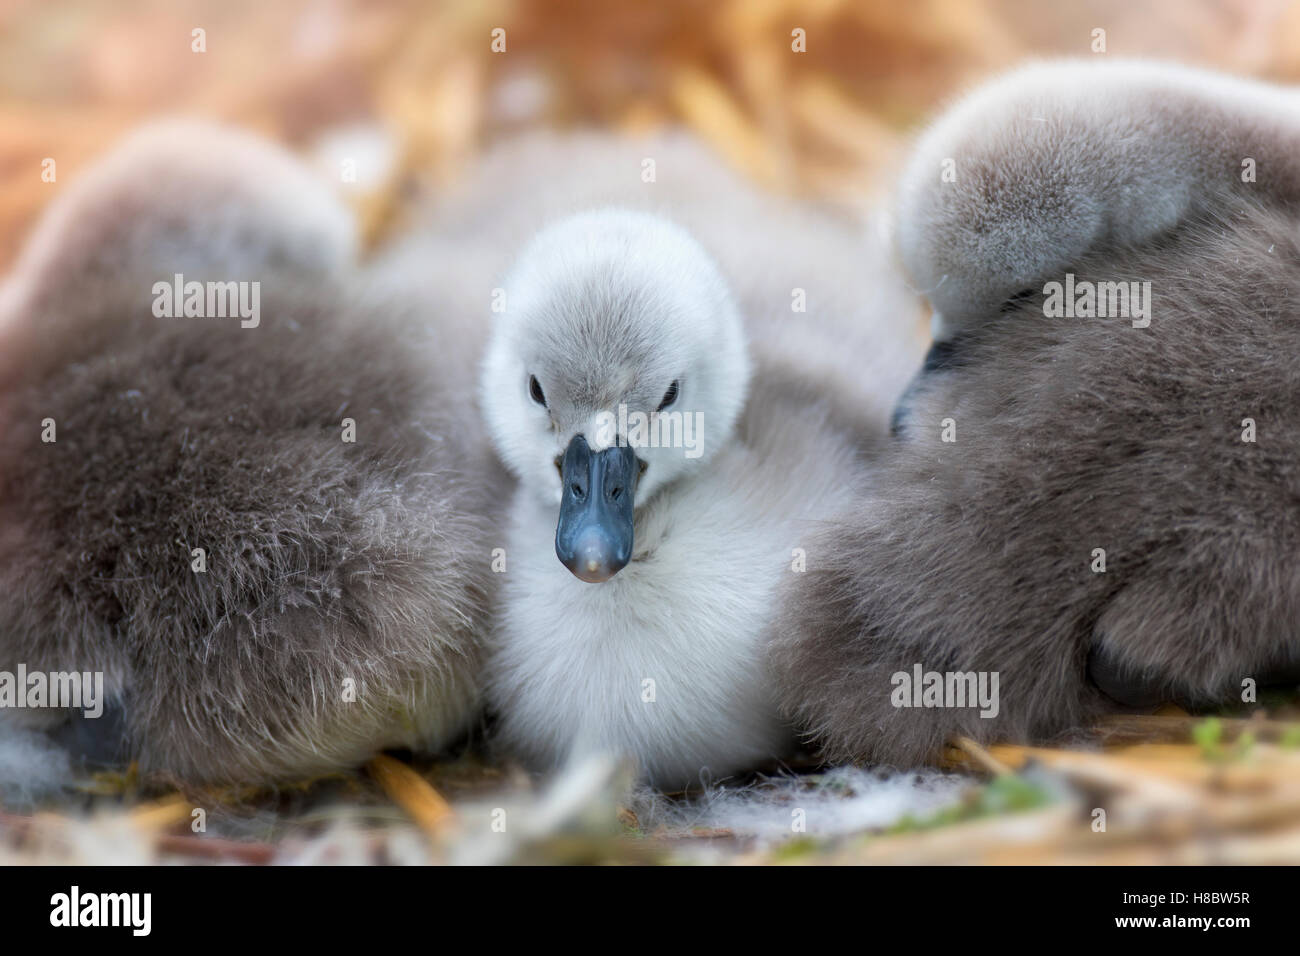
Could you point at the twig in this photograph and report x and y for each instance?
(981, 756)
(413, 794)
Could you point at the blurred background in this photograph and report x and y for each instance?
(412, 90)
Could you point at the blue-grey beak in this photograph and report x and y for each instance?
(594, 536)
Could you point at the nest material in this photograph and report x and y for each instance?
(1169, 789)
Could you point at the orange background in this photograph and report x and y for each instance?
(75, 75)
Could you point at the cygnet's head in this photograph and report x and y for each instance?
(1002, 193)
(616, 367)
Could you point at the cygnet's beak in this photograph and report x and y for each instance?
(594, 536)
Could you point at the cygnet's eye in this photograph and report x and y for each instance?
(535, 391)
(670, 396)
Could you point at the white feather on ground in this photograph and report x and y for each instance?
(840, 801)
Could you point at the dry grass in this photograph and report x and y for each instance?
(1169, 789)
(825, 123)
